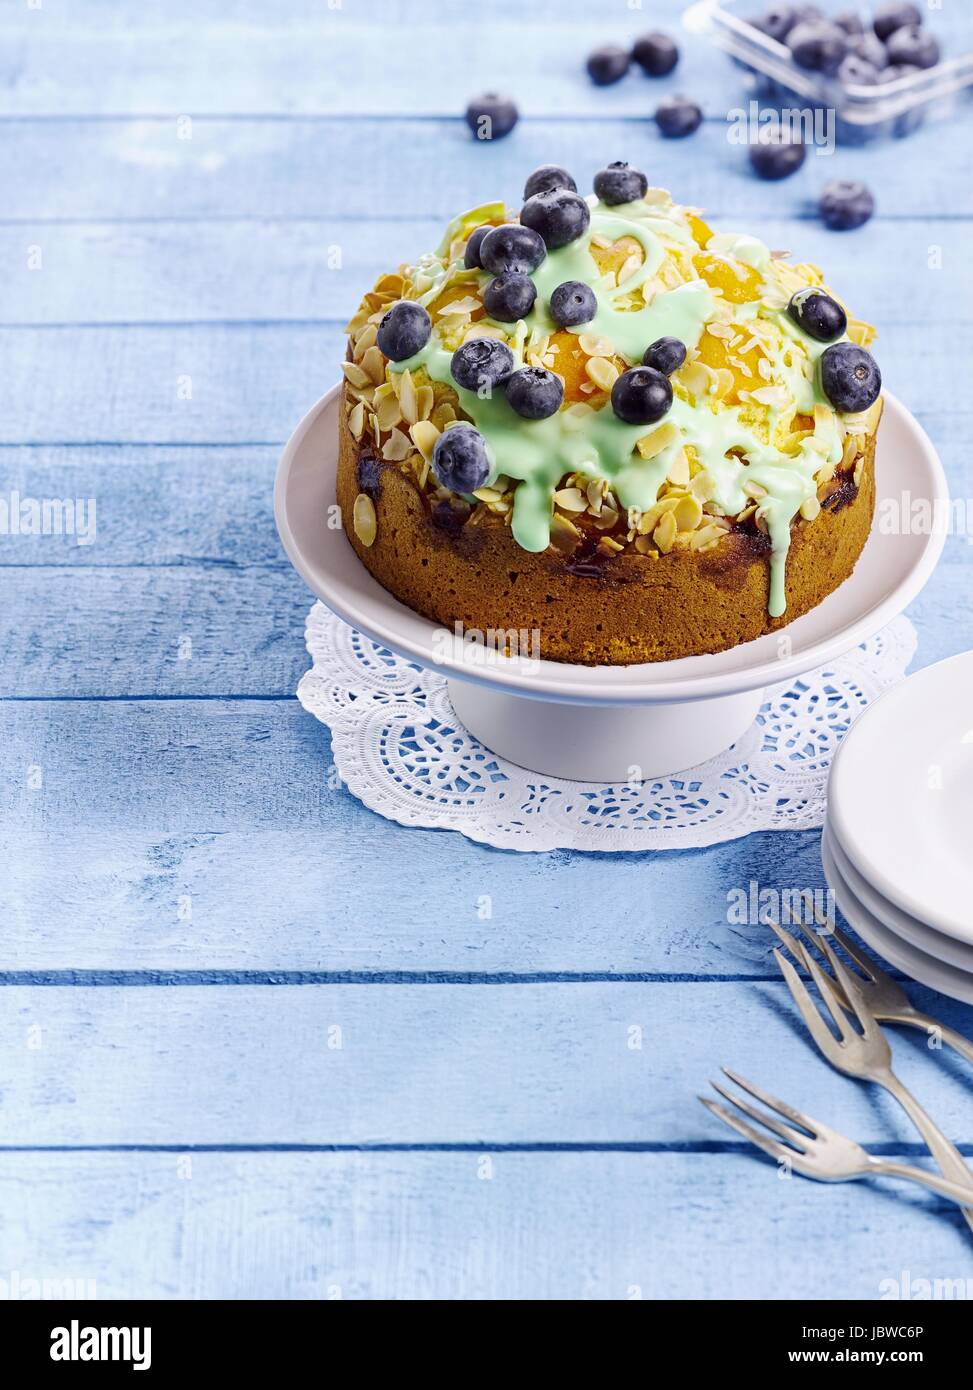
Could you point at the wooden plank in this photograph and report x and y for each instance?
(367, 1064)
(260, 169)
(432, 1226)
(251, 383)
(177, 272)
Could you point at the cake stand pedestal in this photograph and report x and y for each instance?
(614, 723)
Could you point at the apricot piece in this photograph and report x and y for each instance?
(701, 232)
(739, 284)
(461, 290)
(717, 353)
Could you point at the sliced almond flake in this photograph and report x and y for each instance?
(696, 378)
(849, 451)
(487, 494)
(774, 396)
(424, 435)
(664, 534)
(389, 413)
(593, 493)
(824, 475)
(609, 546)
(364, 340)
(775, 302)
(364, 519)
(570, 499)
(602, 242)
(356, 374)
(564, 535)
(407, 398)
(602, 372)
(688, 513)
(374, 364)
(629, 268)
(425, 400)
(859, 470)
(356, 420)
(703, 486)
(765, 369)
(397, 447)
(679, 470)
(606, 519)
(810, 508)
(720, 330)
(823, 419)
(742, 367)
(587, 387)
(424, 475)
(723, 383)
(375, 428)
(704, 536)
(459, 306)
(644, 546)
(752, 489)
(593, 346)
(634, 517)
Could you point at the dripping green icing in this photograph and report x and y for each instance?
(538, 454)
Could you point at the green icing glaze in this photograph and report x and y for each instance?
(538, 454)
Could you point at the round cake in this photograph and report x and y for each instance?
(601, 423)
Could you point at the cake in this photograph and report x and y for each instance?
(604, 423)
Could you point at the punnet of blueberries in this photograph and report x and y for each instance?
(481, 364)
(890, 17)
(677, 117)
(641, 396)
(777, 154)
(404, 330)
(534, 392)
(559, 215)
(491, 116)
(666, 355)
(460, 460)
(512, 247)
(471, 256)
(656, 54)
(573, 304)
(509, 297)
(818, 314)
(850, 378)
(913, 45)
(845, 205)
(818, 46)
(618, 183)
(545, 178)
(608, 64)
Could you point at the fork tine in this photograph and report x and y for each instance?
(813, 1127)
(869, 968)
(829, 995)
(790, 943)
(819, 1031)
(852, 991)
(790, 1136)
(820, 944)
(762, 1141)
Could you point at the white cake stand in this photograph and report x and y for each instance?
(610, 723)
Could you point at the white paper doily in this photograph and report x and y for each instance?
(399, 748)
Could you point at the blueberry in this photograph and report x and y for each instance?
(481, 363)
(777, 154)
(850, 378)
(512, 247)
(850, 22)
(913, 45)
(619, 184)
(776, 22)
(509, 297)
(460, 460)
(856, 72)
(819, 47)
(818, 314)
(535, 393)
(545, 178)
(559, 215)
(471, 256)
(845, 205)
(641, 396)
(894, 16)
(608, 64)
(870, 48)
(656, 54)
(666, 355)
(491, 116)
(677, 116)
(573, 303)
(404, 330)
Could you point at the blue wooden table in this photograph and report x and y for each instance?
(256, 1041)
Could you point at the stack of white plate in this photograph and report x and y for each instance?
(898, 843)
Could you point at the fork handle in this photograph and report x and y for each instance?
(942, 1149)
(914, 1019)
(890, 1168)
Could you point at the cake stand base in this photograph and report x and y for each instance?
(585, 743)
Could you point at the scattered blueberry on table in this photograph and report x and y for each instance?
(620, 183)
(608, 64)
(777, 154)
(850, 378)
(666, 355)
(491, 116)
(534, 392)
(404, 330)
(509, 297)
(656, 54)
(818, 314)
(677, 117)
(641, 396)
(460, 460)
(559, 215)
(572, 304)
(846, 204)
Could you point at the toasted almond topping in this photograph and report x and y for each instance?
(356, 374)
(356, 419)
(364, 519)
(388, 412)
(679, 470)
(602, 372)
(653, 443)
(424, 435)
(754, 490)
(608, 546)
(704, 536)
(665, 532)
(810, 508)
(570, 499)
(644, 545)
(688, 514)
(564, 535)
(629, 268)
(595, 494)
(397, 447)
(374, 364)
(407, 398)
(593, 346)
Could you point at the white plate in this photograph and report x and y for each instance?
(934, 943)
(900, 796)
(889, 574)
(905, 957)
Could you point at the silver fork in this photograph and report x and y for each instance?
(865, 1055)
(887, 1000)
(814, 1149)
